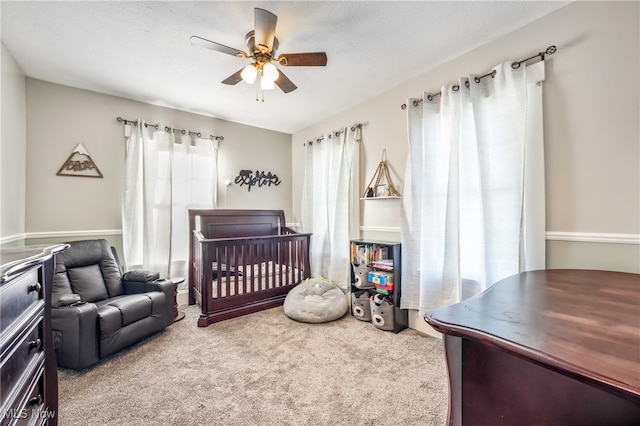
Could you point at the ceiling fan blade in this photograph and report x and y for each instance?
(234, 78)
(284, 83)
(311, 59)
(212, 45)
(265, 28)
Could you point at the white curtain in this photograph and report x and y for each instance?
(165, 175)
(473, 208)
(329, 207)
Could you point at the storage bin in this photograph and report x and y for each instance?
(361, 275)
(382, 312)
(360, 306)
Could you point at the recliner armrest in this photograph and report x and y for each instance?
(59, 301)
(141, 275)
(135, 287)
(74, 335)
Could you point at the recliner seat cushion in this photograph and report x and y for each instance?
(125, 320)
(133, 307)
(128, 309)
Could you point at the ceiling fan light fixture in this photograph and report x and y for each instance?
(266, 83)
(270, 72)
(249, 73)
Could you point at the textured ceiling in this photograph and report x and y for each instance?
(141, 51)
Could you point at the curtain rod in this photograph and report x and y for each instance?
(515, 65)
(336, 133)
(168, 129)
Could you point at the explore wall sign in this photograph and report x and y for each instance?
(249, 178)
(79, 164)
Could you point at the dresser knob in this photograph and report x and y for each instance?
(35, 344)
(36, 400)
(35, 287)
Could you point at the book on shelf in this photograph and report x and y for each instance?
(386, 264)
(367, 254)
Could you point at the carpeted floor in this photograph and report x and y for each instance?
(263, 369)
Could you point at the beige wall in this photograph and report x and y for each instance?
(60, 117)
(591, 117)
(13, 148)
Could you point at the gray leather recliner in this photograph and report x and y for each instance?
(97, 310)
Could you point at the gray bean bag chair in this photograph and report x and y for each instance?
(315, 300)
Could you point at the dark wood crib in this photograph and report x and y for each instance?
(243, 261)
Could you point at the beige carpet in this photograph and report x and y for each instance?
(263, 369)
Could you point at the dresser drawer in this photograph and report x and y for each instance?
(26, 406)
(18, 295)
(20, 355)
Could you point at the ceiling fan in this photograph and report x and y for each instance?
(263, 44)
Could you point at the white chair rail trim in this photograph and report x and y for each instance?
(61, 234)
(592, 237)
(587, 237)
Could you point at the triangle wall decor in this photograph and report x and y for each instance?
(380, 185)
(80, 164)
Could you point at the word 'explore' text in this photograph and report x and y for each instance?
(249, 178)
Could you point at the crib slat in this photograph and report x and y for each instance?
(227, 276)
(237, 274)
(260, 257)
(284, 263)
(246, 267)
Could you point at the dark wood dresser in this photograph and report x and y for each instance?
(554, 347)
(28, 372)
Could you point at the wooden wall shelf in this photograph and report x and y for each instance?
(386, 197)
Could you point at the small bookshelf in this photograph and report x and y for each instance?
(376, 270)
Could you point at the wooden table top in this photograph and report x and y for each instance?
(583, 323)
